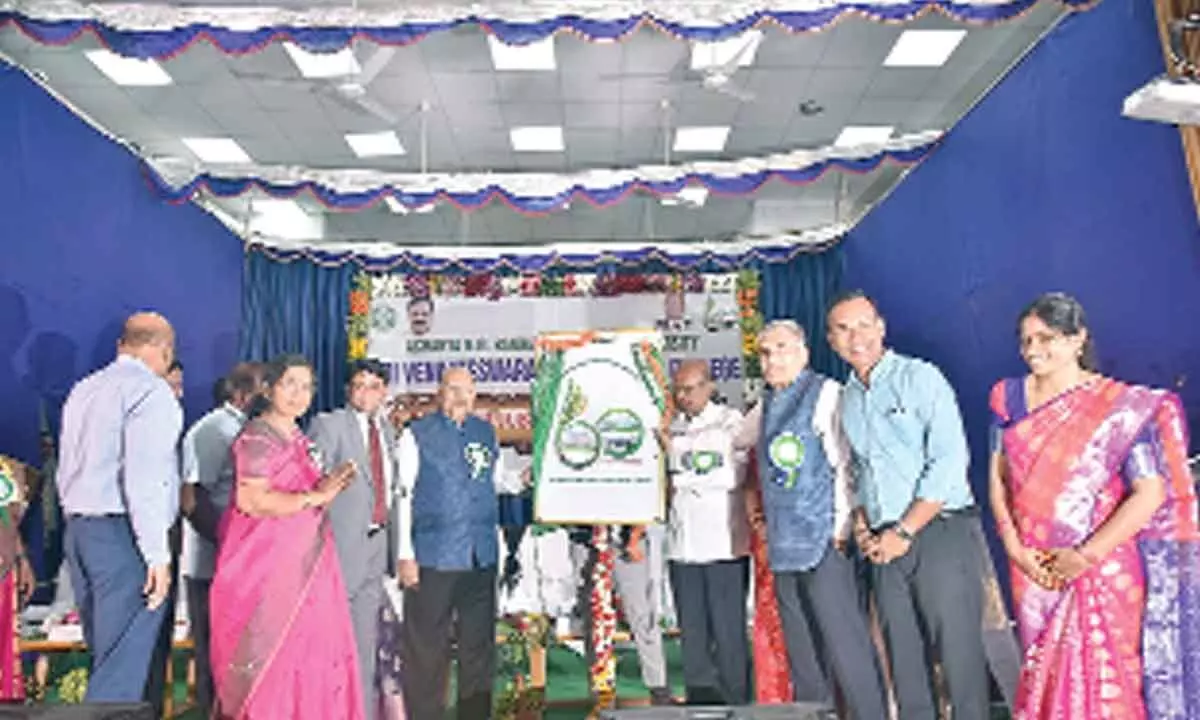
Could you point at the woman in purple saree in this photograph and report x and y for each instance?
(283, 647)
(1097, 510)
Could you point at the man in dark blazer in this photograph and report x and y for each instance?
(361, 432)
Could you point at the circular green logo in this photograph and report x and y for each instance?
(705, 461)
(787, 455)
(621, 432)
(383, 318)
(577, 444)
(8, 482)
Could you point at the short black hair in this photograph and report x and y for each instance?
(420, 299)
(846, 296)
(371, 366)
(221, 392)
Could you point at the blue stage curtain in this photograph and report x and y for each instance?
(800, 290)
(298, 307)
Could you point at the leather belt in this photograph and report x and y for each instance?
(374, 530)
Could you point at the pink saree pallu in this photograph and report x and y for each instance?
(283, 645)
(1123, 640)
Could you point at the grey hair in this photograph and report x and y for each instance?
(791, 326)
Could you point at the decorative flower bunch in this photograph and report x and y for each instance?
(522, 635)
(751, 321)
(73, 686)
(359, 323)
(604, 619)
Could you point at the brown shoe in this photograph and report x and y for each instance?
(661, 696)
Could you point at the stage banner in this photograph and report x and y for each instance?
(598, 403)
(422, 325)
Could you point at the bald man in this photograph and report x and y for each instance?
(118, 478)
(708, 541)
(450, 469)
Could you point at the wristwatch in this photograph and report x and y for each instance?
(903, 533)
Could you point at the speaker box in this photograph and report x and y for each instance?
(801, 711)
(86, 711)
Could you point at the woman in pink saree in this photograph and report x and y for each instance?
(283, 647)
(1097, 510)
(16, 577)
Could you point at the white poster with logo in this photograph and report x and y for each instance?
(598, 403)
(419, 336)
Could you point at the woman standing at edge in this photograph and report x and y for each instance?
(1097, 511)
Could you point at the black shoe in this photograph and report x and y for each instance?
(661, 696)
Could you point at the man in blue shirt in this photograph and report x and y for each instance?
(118, 480)
(916, 520)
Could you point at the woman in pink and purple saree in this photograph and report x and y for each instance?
(1097, 510)
(282, 647)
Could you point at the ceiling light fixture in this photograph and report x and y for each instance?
(534, 56)
(380, 144)
(707, 55)
(701, 139)
(537, 138)
(853, 135)
(217, 150)
(131, 72)
(924, 48)
(323, 65)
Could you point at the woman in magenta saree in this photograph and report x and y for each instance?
(16, 577)
(1097, 509)
(283, 647)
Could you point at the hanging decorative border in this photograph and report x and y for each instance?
(533, 194)
(677, 257)
(160, 31)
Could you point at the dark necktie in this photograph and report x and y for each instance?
(379, 515)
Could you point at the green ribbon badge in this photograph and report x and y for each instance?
(702, 462)
(479, 459)
(8, 482)
(787, 455)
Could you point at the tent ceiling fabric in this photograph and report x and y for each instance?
(608, 98)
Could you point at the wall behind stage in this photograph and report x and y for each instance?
(84, 242)
(1044, 186)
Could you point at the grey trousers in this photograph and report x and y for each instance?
(930, 605)
(198, 618)
(638, 586)
(710, 601)
(824, 627)
(366, 601)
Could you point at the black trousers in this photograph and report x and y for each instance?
(930, 605)
(824, 627)
(710, 603)
(450, 603)
(156, 681)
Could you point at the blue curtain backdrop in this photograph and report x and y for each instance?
(300, 306)
(82, 250)
(800, 290)
(1044, 186)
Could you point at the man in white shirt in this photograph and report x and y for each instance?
(708, 541)
(449, 471)
(807, 490)
(207, 488)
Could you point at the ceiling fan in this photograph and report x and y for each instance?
(349, 90)
(715, 77)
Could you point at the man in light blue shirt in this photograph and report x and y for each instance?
(917, 521)
(207, 489)
(118, 481)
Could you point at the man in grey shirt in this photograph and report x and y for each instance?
(207, 488)
(118, 480)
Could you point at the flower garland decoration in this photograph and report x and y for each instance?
(604, 620)
(359, 322)
(750, 319)
(522, 634)
(494, 286)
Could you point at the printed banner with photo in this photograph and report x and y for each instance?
(420, 334)
(598, 402)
